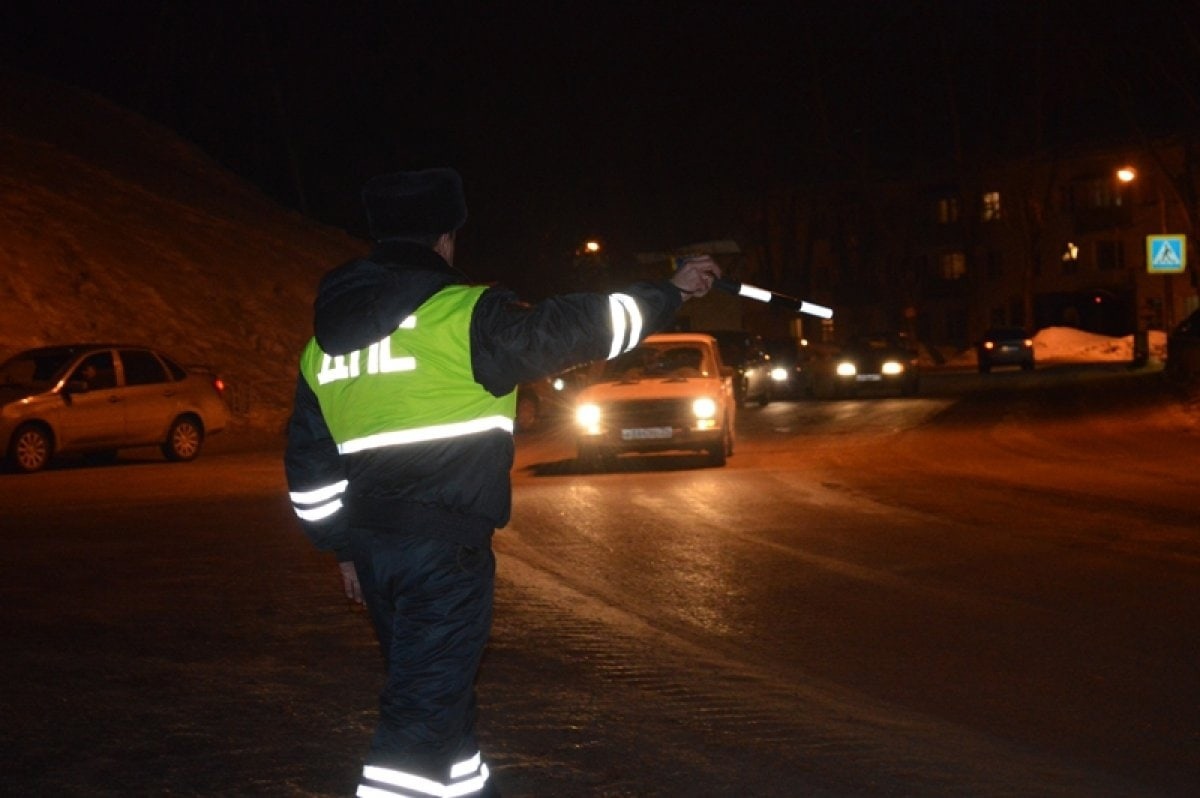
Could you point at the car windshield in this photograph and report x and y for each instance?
(678, 360)
(43, 367)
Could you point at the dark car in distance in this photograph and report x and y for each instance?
(1004, 346)
(751, 364)
(881, 361)
(548, 399)
(1183, 349)
(789, 368)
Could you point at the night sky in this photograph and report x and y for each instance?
(644, 124)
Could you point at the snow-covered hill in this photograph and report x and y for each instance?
(113, 228)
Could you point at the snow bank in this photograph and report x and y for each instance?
(1069, 345)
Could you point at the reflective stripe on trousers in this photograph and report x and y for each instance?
(467, 778)
(430, 601)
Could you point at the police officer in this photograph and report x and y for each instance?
(400, 447)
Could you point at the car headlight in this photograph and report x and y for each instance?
(588, 417)
(704, 407)
(892, 368)
(779, 374)
(558, 384)
(846, 369)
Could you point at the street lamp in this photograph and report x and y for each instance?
(1127, 174)
(591, 264)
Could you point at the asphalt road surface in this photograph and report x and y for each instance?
(988, 589)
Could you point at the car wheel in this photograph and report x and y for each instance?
(984, 368)
(184, 440)
(31, 448)
(718, 452)
(1027, 365)
(765, 399)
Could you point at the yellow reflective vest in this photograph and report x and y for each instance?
(414, 385)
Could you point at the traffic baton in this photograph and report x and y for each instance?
(738, 288)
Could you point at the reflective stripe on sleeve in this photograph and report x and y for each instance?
(626, 323)
(320, 512)
(318, 503)
(319, 495)
(422, 434)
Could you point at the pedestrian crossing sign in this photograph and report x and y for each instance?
(1166, 254)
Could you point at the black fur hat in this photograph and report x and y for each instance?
(414, 205)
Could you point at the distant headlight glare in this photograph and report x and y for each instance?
(846, 369)
(892, 368)
(779, 374)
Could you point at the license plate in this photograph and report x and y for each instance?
(645, 433)
(869, 377)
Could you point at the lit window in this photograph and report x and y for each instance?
(946, 210)
(991, 206)
(953, 265)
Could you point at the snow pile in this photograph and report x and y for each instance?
(1069, 345)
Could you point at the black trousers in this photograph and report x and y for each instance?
(430, 602)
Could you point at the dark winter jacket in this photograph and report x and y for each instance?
(457, 489)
